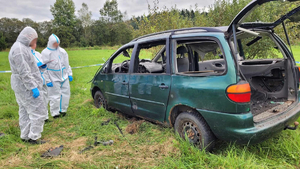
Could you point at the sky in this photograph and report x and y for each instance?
(39, 10)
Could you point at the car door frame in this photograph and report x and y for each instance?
(162, 117)
(125, 98)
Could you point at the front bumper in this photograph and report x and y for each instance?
(241, 128)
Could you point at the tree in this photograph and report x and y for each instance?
(11, 29)
(85, 16)
(64, 21)
(63, 12)
(110, 12)
(45, 29)
(2, 42)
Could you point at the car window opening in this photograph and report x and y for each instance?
(199, 57)
(120, 62)
(151, 58)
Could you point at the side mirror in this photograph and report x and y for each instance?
(126, 54)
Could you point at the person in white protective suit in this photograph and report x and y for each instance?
(26, 82)
(44, 75)
(60, 74)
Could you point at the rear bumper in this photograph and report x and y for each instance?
(241, 128)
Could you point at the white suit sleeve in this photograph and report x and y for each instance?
(69, 69)
(46, 76)
(24, 70)
(44, 70)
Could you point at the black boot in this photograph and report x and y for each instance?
(47, 121)
(56, 116)
(62, 114)
(30, 141)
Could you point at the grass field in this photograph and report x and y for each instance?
(151, 146)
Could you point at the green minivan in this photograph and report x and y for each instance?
(235, 83)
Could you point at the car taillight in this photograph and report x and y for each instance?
(240, 93)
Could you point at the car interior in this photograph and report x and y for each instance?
(199, 57)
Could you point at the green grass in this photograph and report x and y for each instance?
(152, 146)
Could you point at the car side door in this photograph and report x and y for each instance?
(150, 81)
(116, 88)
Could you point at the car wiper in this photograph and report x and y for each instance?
(254, 41)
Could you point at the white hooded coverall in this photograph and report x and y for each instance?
(59, 71)
(45, 77)
(25, 77)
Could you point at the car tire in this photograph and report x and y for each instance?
(197, 130)
(99, 100)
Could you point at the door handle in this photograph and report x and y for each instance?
(124, 83)
(163, 86)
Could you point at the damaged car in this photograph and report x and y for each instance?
(208, 83)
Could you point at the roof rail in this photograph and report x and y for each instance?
(208, 29)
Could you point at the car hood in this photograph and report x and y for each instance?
(239, 18)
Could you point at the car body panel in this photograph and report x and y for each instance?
(149, 95)
(212, 89)
(240, 127)
(116, 92)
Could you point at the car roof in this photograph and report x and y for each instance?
(167, 33)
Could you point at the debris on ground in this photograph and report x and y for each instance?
(1, 150)
(272, 102)
(86, 149)
(105, 122)
(96, 142)
(119, 128)
(134, 126)
(260, 106)
(53, 152)
(105, 143)
(2, 134)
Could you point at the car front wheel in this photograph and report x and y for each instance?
(192, 125)
(99, 100)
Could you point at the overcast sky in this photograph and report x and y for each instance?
(39, 10)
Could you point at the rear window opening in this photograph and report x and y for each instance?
(269, 72)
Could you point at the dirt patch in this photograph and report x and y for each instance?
(134, 126)
(12, 161)
(128, 156)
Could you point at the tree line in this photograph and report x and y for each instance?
(112, 28)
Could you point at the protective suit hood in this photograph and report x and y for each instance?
(27, 35)
(52, 39)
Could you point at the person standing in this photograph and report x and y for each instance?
(44, 75)
(60, 74)
(27, 83)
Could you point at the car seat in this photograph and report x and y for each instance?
(182, 61)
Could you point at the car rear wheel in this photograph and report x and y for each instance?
(99, 100)
(196, 129)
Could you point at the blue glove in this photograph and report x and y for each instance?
(36, 92)
(39, 64)
(50, 84)
(70, 78)
(44, 66)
